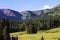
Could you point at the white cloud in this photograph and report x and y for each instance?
(47, 7)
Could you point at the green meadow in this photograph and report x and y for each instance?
(52, 34)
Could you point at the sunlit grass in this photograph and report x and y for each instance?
(52, 34)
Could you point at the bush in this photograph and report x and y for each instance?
(42, 38)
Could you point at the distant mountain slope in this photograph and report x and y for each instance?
(50, 12)
(41, 13)
(10, 14)
(28, 15)
(14, 15)
(34, 14)
(55, 11)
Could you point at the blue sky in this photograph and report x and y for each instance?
(22, 5)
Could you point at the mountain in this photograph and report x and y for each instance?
(41, 13)
(10, 14)
(24, 15)
(33, 14)
(28, 14)
(55, 11)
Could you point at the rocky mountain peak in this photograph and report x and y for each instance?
(7, 12)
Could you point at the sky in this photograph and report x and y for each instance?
(22, 5)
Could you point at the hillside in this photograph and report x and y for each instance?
(52, 34)
(42, 13)
(10, 14)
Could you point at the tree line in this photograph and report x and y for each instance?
(33, 25)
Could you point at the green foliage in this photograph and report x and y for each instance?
(55, 11)
(4, 29)
(5, 34)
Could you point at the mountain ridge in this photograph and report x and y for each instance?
(10, 14)
(24, 15)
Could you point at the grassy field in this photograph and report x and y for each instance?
(52, 34)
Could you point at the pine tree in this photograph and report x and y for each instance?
(5, 32)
